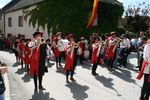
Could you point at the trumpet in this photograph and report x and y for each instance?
(76, 45)
(118, 39)
(103, 42)
(100, 43)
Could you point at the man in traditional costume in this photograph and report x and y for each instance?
(96, 55)
(36, 70)
(110, 50)
(27, 52)
(71, 57)
(56, 51)
(145, 91)
(21, 48)
(81, 49)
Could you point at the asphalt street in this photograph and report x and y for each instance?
(118, 85)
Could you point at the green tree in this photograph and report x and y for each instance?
(72, 16)
(137, 18)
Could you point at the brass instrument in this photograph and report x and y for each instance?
(100, 43)
(117, 39)
(73, 44)
(76, 45)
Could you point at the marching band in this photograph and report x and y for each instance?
(98, 50)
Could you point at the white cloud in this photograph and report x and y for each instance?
(120, 0)
(1, 5)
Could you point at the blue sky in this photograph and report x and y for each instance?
(3, 2)
(133, 2)
(125, 2)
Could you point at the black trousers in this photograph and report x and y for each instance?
(124, 60)
(58, 60)
(35, 77)
(141, 62)
(16, 55)
(71, 71)
(145, 91)
(90, 56)
(94, 67)
(21, 63)
(124, 53)
(63, 55)
(81, 58)
(110, 63)
(67, 73)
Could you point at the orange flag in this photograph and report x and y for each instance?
(93, 16)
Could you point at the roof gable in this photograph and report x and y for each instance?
(21, 4)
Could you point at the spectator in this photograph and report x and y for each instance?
(3, 70)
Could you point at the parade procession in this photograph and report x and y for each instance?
(50, 56)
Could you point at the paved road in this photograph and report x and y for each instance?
(119, 85)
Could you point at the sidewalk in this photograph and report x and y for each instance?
(7, 92)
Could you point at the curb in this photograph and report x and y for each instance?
(7, 92)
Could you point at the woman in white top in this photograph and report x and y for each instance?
(145, 92)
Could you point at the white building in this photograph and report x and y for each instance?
(1, 28)
(13, 18)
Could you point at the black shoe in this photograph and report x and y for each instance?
(94, 74)
(142, 99)
(57, 66)
(60, 65)
(137, 67)
(67, 81)
(110, 69)
(72, 79)
(35, 90)
(41, 88)
(81, 63)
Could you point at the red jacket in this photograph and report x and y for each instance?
(69, 58)
(95, 53)
(142, 71)
(81, 47)
(34, 61)
(21, 51)
(110, 49)
(55, 48)
(27, 54)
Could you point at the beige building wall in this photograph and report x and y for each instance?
(26, 29)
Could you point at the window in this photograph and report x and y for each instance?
(20, 21)
(9, 22)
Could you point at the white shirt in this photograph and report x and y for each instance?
(61, 44)
(146, 57)
(126, 43)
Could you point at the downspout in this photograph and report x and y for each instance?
(4, 25)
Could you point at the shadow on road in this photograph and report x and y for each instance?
(26, 77)
(16, 64)
(20, 71)
(107, 82)
(61, 70)
(41, 96)
(132, 68)
(86, 65)
(132, 55)
(78, 91)
(50, 64)
(125, 75)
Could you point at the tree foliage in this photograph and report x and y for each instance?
(72, 16)
(137, 18)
